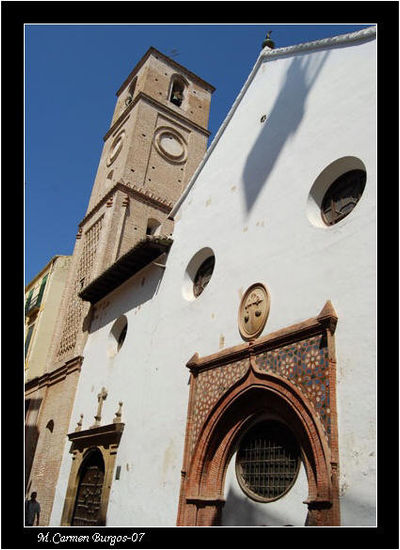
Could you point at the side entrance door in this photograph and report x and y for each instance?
(88, 498)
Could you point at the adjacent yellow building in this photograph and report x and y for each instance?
(42, 304)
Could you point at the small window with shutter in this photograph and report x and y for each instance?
(28, 339)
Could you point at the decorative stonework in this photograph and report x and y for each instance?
(76, 305)
(253, 311)
(210, 386)
(170, 144)
(105, 439)
(305, 364)
(101, 397)
(116, 147)
(341, 39)
(289, 374)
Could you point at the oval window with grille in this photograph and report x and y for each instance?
(198, 273)
(342, 196)
(267, 461)
(203, 276)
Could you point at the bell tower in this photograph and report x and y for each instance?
(157, 137)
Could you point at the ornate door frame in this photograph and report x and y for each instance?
(106, 440)
(89, 491)
(290, 373)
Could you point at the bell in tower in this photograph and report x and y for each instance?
(157, 137)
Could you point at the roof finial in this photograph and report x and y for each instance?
(268, 42)
(118, 414)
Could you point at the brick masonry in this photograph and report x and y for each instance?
(290, 374)
(51, 427)
(135, 182)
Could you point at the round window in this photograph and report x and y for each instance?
(198, 273)
(336, 191)
(116, 147)
(117, 335)
(203, 276)
(342, 196)
(267, 461)
(170, 144)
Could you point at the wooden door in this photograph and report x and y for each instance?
(88, 498)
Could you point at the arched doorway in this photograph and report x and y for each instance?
(94, 452)
(287, 378)
(246, 406)
(87, 509)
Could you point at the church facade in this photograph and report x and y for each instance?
(222, 303)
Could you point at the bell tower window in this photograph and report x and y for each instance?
(152, 226)
(131, 91)
(177, 92)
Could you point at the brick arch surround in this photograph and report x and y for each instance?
(232, 390)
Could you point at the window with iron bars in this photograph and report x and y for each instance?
(267, 461)
(203, 276)
(342, 196)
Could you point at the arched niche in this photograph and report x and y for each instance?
(177, 90)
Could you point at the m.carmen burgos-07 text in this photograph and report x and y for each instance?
(57, 538)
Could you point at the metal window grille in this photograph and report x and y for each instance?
(267, 461)
(203, 276)
(342, 196)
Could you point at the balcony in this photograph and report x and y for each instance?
(33, 305)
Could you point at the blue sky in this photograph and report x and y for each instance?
(72, 73)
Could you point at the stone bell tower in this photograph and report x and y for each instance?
(158, 136)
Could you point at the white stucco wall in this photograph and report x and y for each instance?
(249, 205)
(240, 510)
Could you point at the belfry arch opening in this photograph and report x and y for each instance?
(152, 226)
(177, 90)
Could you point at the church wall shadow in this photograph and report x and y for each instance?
(31, 437)
(282, 122)
(149, 280)
(242, 512)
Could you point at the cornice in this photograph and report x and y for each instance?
(326, 320)
(55, 376)
(342, 39)
(115, 428)
(266, 54)
(43, 271)
(171, 62)
(133, 191)
(144, 252)
(143, 96)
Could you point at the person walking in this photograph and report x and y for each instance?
(32, 509)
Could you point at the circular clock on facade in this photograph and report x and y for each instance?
(253, 311)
